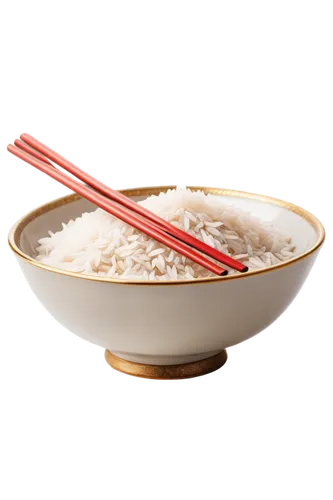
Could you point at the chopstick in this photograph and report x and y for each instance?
(132, 205)
(116, 210)
(31, 151)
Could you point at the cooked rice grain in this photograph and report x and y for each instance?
(99, 244)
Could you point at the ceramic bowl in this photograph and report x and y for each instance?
(174, 329)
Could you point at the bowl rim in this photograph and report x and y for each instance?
(19, 226)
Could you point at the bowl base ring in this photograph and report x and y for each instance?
(167, 372)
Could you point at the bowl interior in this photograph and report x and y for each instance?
(291, 220)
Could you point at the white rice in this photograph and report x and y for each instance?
(99, 244)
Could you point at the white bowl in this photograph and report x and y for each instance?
(174, 329)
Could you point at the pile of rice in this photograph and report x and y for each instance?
(99, 244)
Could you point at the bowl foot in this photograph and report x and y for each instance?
(167, 372)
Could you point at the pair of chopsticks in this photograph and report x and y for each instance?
(38, 155)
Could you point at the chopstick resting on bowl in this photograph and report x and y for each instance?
(44, 159)
(123, 200)
(117, 210)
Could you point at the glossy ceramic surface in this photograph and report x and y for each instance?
(175, 322)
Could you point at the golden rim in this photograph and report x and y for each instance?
(167, 372)
(16, 231)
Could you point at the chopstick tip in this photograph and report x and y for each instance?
(224, 272)
(244, 270)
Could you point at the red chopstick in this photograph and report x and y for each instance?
(132, 205)
(118, 211)
(32, 151)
